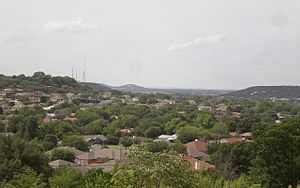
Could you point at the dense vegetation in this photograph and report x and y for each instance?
(42, 82)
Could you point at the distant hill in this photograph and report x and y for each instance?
(100, 86)
(132, 88)
(139, 89)
(264, 92)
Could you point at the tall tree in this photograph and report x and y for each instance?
(145, 169)
(277, 162)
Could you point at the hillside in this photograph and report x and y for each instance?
(139, 89)
(132, 88)
(264, 92)
(100, 86)
(46, 83)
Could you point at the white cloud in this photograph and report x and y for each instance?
(202, 40)
(12, 37)
(54, 27)
(76, 26)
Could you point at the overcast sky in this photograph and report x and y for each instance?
(212, 44)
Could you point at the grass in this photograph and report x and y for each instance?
(115, 147)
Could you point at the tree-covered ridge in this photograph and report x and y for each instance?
(46, 83)
(266, 92)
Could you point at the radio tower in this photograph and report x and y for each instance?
(84, 67)
(72, 72)
(76, 76)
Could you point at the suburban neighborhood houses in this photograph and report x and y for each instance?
(100, 155)
(73, 129)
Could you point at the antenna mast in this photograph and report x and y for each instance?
(76, 76)
(84, 67)
(72, 72)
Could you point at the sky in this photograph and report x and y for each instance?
(208, 44)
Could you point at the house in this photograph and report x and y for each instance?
(48, 108)
(59, 163)
(7, 93)
(205, 108)
(103, 103)
(106, 167)
(247, 135)
(135, 99)
(70, 96)
(102, 153)
(221, 107)
(236, 115)
(73, 150)
(95, 139)
(233, 140)
(168, 138)
(106, 94)
(197, 145)
(86, 159)
(18, 105)
(56, 97)
(47, 120)
(197, 164)
(6, 108)
(196, 149)
(192, 152)
(34, 97)
(138, 139)
(126, 130)
(71, 118)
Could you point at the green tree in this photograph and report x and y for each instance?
(96, 178)
(232, 159)
(173, 125)
(112, 139)
(16, 153)
(27, 178)
(277, 162)
(76, 142)
(26, 122)
(159, 146)
(49, 142)
(96, 126)
(219, 130)
(126, 142)
(188, 133)
(66, 177)
(146, 169)
(62, 154)
(152, 132)
(205, 120)
(85, 117)
(178, 147)
(127, 121)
